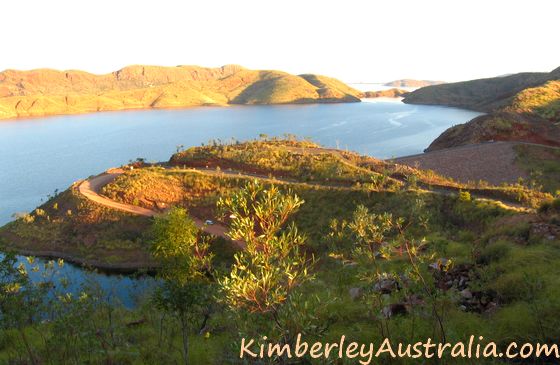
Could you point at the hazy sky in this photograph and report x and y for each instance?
(352, 40)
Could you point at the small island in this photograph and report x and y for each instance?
(390, 93)
(413, 83)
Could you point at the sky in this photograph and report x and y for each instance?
(355, 41)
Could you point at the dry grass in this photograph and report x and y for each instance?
(45, 92)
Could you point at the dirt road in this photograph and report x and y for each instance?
(92, 187)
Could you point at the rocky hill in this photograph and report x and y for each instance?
(483, 94)
(45, 92)
(543, 101)
(413, 83)
(532, 115)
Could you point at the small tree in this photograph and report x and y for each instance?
(263, 276)
(263, 137)
(381, 236)
(465, 196)
(186, 261)
(20, 302)
(369, 233)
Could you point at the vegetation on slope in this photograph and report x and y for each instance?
(404, 265)
(42, 92)
(86, 232)
(306, 161)
(72, 227)
(484, 94)
(499, 126)
(531, 115)
(543, 100)
(542, 164)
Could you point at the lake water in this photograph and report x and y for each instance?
(43, 154)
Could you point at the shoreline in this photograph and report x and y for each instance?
(185, 107)
(90, 265)
(91, 189)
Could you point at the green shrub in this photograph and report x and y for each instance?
(465, 196)
(494, 252)
(551, 206)
(511, 286)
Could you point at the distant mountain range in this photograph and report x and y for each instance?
(46, 92)
(521, 107)
(412, 83)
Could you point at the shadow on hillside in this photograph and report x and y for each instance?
(259, 92)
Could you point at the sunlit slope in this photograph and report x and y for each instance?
(45, 91)
(543, 100)
(532, 115)
(482, 94)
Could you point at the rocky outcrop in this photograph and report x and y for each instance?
(499, 126)
(45, 91)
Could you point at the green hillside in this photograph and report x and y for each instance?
(543, 100)
(530, 114)
(482, 94)
(333, 244)
(499, 126)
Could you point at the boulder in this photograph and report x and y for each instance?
(355, 293)
(395, 309)
(386, 286)
(466, 294)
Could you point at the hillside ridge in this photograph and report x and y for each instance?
(483, 95)
(532, 115)
(45, 91)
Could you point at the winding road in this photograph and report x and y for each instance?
(91, 189)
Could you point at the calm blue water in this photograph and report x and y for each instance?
(40, 155)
